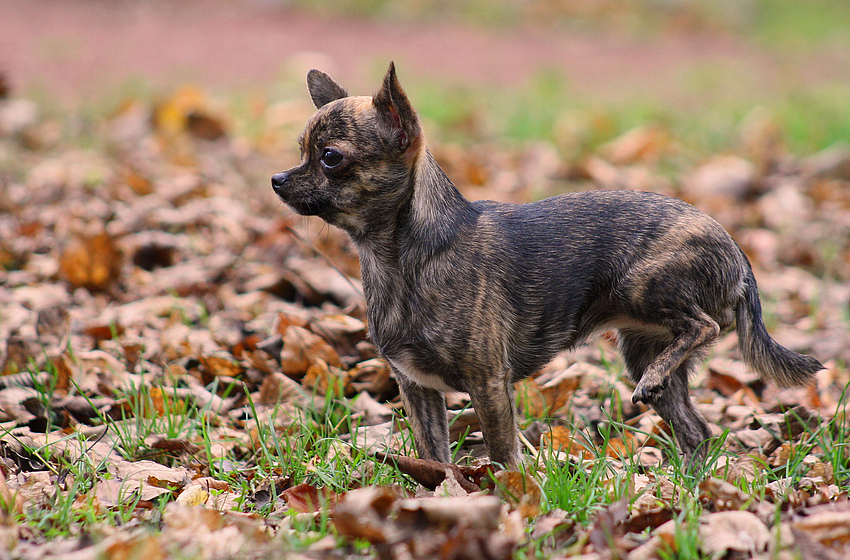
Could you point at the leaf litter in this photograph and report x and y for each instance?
(168, 328)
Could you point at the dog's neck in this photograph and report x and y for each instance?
(424, 227)
(438, 211)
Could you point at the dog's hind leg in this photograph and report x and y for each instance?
(690, 335)
(675, 407)
(640, 351)
(426, 413)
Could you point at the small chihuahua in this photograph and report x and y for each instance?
(474, 296)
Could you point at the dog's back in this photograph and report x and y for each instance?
(551, 274)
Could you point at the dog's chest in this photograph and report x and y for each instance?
(400, 340)
(406, 366)
(408, 352)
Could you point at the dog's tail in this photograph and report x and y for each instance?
(769, 359)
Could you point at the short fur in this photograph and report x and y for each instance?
(474, 296)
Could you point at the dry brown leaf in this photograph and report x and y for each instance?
(372, 411)
(521, 491)
(36, 489)
(621, 446)
(556, 526)
(545, 397)
(173, 445)
(324, 379)
(450, 487)
(151, 473)
(643, 143)
(606, 532)
(738, 531)
(818, 469)
(826, 526)
(112, 492)
(278, 388)
(90, 261)
(341, 289)
(481, 512)
(431, 474)
(562, 439)
(139, 184)
(205, 532)
(221, 364)
(204, 126)
(364, 514)
(301, 350)
(100, 332)
(133, 547)
(187, 110)
(722, 178)
(373, 376)
(341, 331)
(663, 540)
(9, 501)
(194, 495)
(723, 495)
(306, 498)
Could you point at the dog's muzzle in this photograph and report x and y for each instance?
(279, 182)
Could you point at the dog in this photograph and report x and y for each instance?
(475, 296)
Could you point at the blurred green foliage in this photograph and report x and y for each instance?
(776, 22)
(720, 97)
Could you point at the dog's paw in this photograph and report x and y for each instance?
(649, 389)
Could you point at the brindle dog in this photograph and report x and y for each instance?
(474, 296)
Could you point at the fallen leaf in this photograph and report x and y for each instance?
(324, 379)
(825, 529)
(480, 512)
(521, 491)
(204, 126)
(723, 496)
(90, 261)
(306, 498)
(278, 388)
(643, 143)
(429, 473)
(562, 439)
(373, 376)
(194, 495)
(737, 531)
(221, 365)
(364, 514)
(301, 350)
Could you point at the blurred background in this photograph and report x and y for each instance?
(572, 71)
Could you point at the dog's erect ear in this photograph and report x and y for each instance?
(397, 121)
(323, 88)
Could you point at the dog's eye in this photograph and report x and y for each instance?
(331, 158)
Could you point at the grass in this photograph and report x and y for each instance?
(307, 448)
(546, 109)
(784, 25)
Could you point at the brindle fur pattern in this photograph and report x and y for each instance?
(474, 296)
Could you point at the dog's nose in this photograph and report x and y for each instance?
(279, 181)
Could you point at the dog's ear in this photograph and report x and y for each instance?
(397, 121)
(323, 88)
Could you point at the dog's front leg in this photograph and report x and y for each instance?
(493, 400)
(426, 413)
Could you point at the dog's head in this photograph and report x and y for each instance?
(357, 155)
